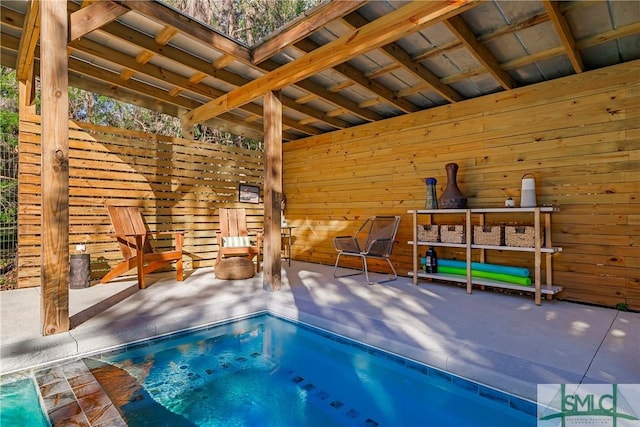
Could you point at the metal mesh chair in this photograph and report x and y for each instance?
(374, 239)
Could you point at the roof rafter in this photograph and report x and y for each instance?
(395, 25)
(204, 69)
(31, 31)
(190, 27)
(333, 98)
(181, 83)
(358, 77)
(94, 16)
(564, 32)
(89, 77)
(302, 28)
(395, 52)
(461, 30)
(149, 45)
(118, 92)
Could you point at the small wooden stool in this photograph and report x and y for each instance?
(234, 268)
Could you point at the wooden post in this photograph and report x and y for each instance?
(55, 168)
(188, 131)
(271, 276)
(26, 96)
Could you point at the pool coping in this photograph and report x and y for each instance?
(69, 392)
(436, 324)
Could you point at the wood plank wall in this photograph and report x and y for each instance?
(179, 185)
(579, 136)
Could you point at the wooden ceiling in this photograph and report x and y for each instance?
(343, 64)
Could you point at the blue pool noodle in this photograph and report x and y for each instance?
(493, 268)
(524, 281)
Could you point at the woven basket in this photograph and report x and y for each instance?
(521, 236)
(234, 268)
(428, 233)
(452, 233)
(488, 235)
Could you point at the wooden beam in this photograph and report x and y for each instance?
(461, 30)
(223, 61)
(189, 27)
(162, 102)
(306, 98)
(307, 121)
(144, 57)
(333, 98)
(304, 27)
(165, 35)
(55, 169)
(197, 78)
(27, 95)
(320, 91)
(352, 73)
(272, 193)
(126, 34)
(28, 41)
(337, 112)
(94, 16)
(175, 91)
(530, 59)
(564, 32)
(340, 86)
(126, 74)
(371, 102)
(381, 71)
(393, 26)
(399, 55)
(142, 66)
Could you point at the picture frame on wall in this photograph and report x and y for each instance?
(249, 194)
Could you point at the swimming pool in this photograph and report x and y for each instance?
(268, 371)
(19, 403)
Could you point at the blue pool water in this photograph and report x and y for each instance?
(266, 371)
(20, 405)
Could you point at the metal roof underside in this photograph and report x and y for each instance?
(490, 47)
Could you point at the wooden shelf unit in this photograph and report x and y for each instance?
(541, 218)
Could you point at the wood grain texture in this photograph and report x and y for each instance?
(179, 185)
(272, 280)
(579, 135)
(54, 269)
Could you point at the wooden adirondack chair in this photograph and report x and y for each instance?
(131, 233)
(233, 236)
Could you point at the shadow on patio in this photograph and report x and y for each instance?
(505, 341)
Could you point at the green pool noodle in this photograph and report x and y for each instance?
(494, 268)
(523, 281)
(481, 266)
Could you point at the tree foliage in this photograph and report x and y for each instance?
(103, 110)
(244, 20)
(8, 175)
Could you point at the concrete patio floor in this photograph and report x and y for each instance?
(500, 340)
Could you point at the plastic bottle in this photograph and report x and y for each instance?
(431, 261)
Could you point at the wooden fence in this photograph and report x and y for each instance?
(178, 184)
(579, 136)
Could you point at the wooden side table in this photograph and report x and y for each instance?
(286, 233)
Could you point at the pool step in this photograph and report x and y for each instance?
(72, 396)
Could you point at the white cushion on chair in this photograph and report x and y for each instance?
(236, 241)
